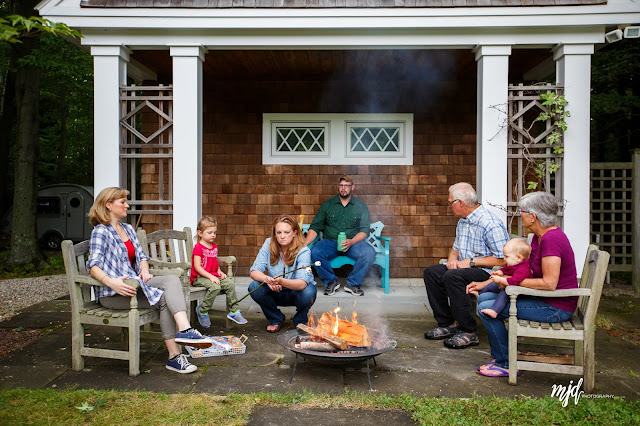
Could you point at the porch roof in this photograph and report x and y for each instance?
(323, 4)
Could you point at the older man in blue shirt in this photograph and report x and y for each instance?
(342, 213)
(480, 236)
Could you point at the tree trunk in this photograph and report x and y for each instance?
(24, 244)
(62, 149)
(7, 121)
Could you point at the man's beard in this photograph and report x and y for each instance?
(344, 197)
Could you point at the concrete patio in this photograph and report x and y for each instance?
(417, 366)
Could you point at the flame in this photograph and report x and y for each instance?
(336, 324)
(354, 317)
(311, 322)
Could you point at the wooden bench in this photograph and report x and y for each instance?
(379, 243)
(85, 311)
(580, 328)
(171, 250)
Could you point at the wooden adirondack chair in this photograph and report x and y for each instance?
(171, 249)
(379, 243)
(85, 311)
(580, 328)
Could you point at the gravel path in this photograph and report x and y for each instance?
(16, 294)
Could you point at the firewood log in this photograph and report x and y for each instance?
(354, 334)
(335, 341)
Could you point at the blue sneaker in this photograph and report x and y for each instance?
(203, 319)
(193, 337)
(181, 364)
(237, 318)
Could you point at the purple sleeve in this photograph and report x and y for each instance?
(522, 272)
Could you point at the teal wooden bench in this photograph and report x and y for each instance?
(379, 243)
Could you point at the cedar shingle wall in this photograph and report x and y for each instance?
(246, 196)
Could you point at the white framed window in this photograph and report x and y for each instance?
(348, 139)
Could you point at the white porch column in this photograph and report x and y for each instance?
(187, 135)
(573, 70)
(491, 132)
(109, 73)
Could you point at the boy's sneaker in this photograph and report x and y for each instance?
(203, 319)
(181, 364)
(331, 288)
(194, 338)
(237, 318)
(356, 291)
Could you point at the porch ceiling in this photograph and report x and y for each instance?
(336, 64)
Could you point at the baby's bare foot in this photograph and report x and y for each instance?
(490, 312)
(474, 292)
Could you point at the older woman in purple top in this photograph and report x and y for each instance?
(553, 267)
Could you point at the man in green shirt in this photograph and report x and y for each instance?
(342, 213)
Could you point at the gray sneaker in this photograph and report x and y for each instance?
(356, 291)
(331, 288)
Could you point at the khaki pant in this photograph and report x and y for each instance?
(172, 301)
(227, 286)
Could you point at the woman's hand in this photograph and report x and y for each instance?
(119, 286)
(146, 276)
(275, 284)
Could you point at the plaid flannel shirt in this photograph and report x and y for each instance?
(108, 252)
(480, 234)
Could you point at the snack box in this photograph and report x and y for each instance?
(222, 345)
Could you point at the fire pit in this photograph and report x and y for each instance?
(379, 345)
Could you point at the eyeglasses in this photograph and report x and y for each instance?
(520, 211)
(451, 203)
(344, 185)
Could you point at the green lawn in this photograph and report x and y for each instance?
(51, 406)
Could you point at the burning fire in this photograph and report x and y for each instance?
(336, 324)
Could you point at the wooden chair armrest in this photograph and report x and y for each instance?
(176, 272)
(87, 279)
(514, 290)
(227, 259)
(170, 265)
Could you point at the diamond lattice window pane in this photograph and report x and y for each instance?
(374, 139)
(300, 139)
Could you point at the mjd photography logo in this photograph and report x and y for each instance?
(564, 393)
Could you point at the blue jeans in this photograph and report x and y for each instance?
(269, 301)
(529, 308)
(361, 252)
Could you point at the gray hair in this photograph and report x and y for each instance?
(544, 205)
(464, 191)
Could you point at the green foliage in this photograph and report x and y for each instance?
(557, 113)
(15, 27)
(615, 101)
(52, 264)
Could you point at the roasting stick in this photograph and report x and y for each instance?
(308, 267)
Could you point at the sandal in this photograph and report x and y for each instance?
(492, 370)
(440, 333)
(487, 364)
(278, 327)
(462, 340)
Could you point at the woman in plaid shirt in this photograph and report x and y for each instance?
(116, 255)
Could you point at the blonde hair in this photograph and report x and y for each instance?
(518, 246)
(99, 214)
(204, 223)
(296, 244)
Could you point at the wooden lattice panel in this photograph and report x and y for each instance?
(527, 144)
(146, 153)
(611, 212)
